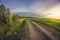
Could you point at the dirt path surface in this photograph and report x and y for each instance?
(36, 32)
(53, 37)
(33, 33)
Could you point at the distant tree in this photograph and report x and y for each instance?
(8, 11)
(2, 13)
(8, 14)
(2, 8)
(4, 21)
(14, 18)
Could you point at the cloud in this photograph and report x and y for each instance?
(42, 8)
(55, 12)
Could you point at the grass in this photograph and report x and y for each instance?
(51, 23)
(25, 30)
(9, 31)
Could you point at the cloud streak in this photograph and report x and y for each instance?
(43, 8)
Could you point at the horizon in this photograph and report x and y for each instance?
(44, 8)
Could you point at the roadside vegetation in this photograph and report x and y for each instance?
(24, 31)
(9, 24)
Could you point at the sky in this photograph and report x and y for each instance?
(42, 8)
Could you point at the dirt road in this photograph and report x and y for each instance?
(41, 34)
(37, 32)
(33, 33)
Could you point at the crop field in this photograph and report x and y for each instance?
(52, 23)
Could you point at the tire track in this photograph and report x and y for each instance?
(34, 33)
(45, 31)
(54, 32)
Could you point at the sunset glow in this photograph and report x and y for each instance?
(42, 8)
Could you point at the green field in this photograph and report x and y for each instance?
(51, 23)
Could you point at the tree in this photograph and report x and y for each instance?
(2, 14)
(8, 14)
(14, 18)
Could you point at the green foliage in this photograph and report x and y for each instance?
(9, 25)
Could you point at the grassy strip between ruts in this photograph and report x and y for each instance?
(25, 31)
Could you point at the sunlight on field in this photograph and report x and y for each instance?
(20, 20)
(16, 26)
(55, 20)
(53, 23)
